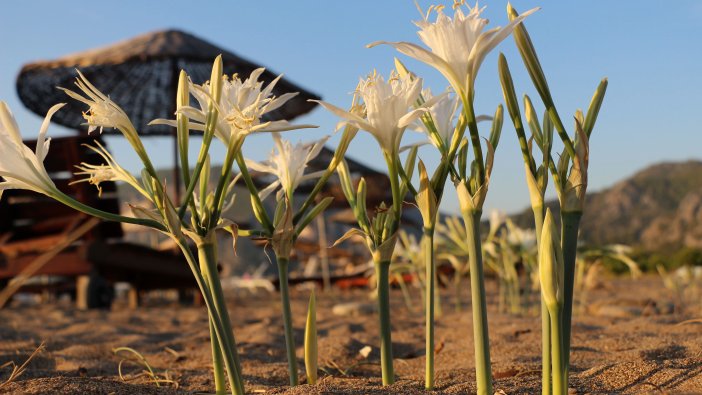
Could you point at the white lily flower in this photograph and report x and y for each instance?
(524, 239)
(458, 45)
(19, 166)
(103, 112)
(497, 218)
(110, 171)
(287, 162)
(443, 115)
(241, 108)
(388, 107)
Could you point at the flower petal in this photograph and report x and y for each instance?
(353, 119)
(42, 147)
(423, 55)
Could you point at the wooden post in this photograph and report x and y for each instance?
(82, 283)
(133, 297)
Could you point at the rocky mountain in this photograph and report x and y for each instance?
(658, 208)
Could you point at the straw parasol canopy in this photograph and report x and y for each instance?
(141, 75)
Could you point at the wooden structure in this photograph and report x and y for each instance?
(31, 224)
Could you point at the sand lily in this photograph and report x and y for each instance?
(109, 171)
(388, 111)
(242, 107)
(458, 45)
(287, 162)
(438, 123)
(103, 112)
(388, 107)
(569, 174)
(19, 166)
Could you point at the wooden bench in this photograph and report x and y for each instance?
(31, 224)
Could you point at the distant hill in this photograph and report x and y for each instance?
(658, 208)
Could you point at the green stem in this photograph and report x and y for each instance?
(483, 371)
(210, 125)
(545, 318)
(287, 319)
(209, 248)
(569, 240)
(560, 381)
(230, 355)
(255, 199)
(382, 275)
(217, 360)
(391, 161)
(220, 192)
(83, 208)
(469, 112)
(429, 321)
(545, 349)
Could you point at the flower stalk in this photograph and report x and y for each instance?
(551, 273)
(382, 269)
(222, 326)
(483, 371)
(206, 252)
(283, 264)
(570, 224)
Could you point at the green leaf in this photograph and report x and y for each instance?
(311, 340)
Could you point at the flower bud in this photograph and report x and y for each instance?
(551, 267)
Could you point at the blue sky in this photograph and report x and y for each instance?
(649, 50)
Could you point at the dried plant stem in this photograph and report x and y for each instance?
(430, 305)
(382, 275)
(287, 319)
(483, 371)
(569, 241)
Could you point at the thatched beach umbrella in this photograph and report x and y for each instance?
(141, 75)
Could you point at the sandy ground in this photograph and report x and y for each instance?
(623, 342)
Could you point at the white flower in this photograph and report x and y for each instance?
(497, 218)
(110, 171)
(19, 166)
(103, 112)
(241, 108)
(524, 239)
(288, 162)
(458, 45)
(443, 115)
(388, 107)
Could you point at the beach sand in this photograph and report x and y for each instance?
(627, 340)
